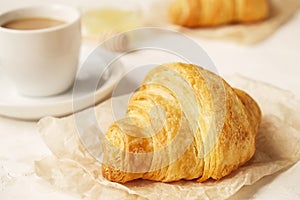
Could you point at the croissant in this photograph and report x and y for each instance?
(197, 13)
(184, 122)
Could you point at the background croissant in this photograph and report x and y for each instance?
(196, 13)
(184, 123)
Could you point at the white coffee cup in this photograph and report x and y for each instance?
(41, 62)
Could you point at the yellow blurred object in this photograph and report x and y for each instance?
(116, 20)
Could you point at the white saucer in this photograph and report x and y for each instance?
(77, 98)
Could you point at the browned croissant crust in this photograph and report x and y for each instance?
(197, 13)
(183, 123)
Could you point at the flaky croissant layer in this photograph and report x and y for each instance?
(197, 13)
(183, 123)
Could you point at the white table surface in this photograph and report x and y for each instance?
(275, 61)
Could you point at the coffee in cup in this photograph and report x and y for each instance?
(32, 23)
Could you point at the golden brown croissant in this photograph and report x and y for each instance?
(196, 13)
(183, 123)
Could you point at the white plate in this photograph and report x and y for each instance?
(81, 96)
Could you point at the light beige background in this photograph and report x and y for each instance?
(275, 61)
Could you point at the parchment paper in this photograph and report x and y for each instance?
(281, 12)
(72, 168)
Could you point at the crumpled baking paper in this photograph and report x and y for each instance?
(71, 167)
(251, 33)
